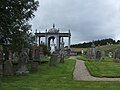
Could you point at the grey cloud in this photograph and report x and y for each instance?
(87, 19)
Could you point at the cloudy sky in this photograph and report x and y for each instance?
(87, 19)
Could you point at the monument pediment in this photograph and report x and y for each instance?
(53, 30)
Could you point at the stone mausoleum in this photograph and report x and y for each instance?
(54, 35)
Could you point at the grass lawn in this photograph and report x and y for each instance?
(54, 78)
(104, 69)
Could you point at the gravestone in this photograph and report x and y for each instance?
(93, 52)
(36, 59)
(62, 52)
(53, 59)
(103, 55)
(37, 54)
(23, 63)
(1, 63)
(88, 53)
(8, 68)
(98, 55)
(117, 56)
(34, 65)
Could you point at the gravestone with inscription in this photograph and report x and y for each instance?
(93, 52)
(53, 59)
(103, 54)
(23, 63)
(98, 55)
(36, 59)
(88, 53)
(117, 56)
(8, 68)
(62, 52)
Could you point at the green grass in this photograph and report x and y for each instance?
(104, 69)
(106, 59)
(54, 78)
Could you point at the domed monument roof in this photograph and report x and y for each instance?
(53, 30)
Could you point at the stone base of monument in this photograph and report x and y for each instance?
(34, 65)
(8, 68)
(23, 70)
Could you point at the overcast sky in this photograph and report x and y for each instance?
(87, 19)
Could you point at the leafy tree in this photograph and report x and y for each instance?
(14, 17)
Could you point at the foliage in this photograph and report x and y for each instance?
(14, 17)
(97, 43)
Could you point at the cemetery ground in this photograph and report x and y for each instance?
(103, 68)
(55, 78)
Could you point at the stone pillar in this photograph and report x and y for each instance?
(46, 40)
(57, 40)
(36, 37)
(69, 40)
(39, 41)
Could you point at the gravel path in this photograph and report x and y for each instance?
(81, 73)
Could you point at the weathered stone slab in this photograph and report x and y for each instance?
(53, 59)
(8, 68)
(23, 63)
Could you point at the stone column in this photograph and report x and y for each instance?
(46, 39)
(69, 42)
(39, 41)
(36, 37)
(69, 39)
(57, 40)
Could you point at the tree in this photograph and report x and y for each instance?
(14, 17)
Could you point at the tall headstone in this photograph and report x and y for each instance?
(36, 59)
(1, 62)
(103, 54)
(117, 56)
(23, 63)
(88, 53)
(62, 52)
(93, 51)
(37, 54)
(8, 66)
(53, 59)
(98, 55)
